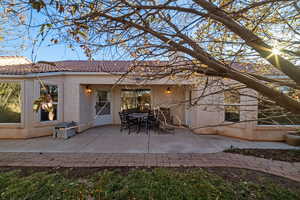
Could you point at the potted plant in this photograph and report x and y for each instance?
(44, 102)
(293, 138)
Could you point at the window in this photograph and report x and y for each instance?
(52, 91)
(10, 102)
(139, 99)
(271, 114)
(103, 103)
(232, 106)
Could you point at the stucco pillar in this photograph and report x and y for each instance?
(71, 101)
(207, 111)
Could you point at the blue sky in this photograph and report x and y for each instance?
(60, 52)
(53, 53)
(46, 52)
(63, 52)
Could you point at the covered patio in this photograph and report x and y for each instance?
(109, 139)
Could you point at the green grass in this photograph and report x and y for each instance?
(136, 184)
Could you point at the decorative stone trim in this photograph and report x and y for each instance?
(279, 168)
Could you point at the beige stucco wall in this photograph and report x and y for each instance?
(158, 98)
(175, 101)
(30, 125)
(76, 105)
(207, 111)
(13, 60)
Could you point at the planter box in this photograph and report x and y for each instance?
(64, 130)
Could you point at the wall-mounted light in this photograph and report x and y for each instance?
(168, 90)
(88, 90)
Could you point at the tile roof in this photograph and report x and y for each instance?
(112, 67)
(75, 66)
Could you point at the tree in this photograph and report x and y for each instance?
(10, 102)
(12, 37)
(210, 37)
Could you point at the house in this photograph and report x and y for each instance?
(13, 60)
(80, 89)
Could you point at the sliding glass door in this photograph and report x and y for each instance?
(139, 99)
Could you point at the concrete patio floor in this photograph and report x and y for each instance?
(109, 139)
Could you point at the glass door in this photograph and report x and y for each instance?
(103, 107)
(137, 99)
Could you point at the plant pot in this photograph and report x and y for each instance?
(293, 138)
(51, 116)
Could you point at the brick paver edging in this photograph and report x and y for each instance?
(26, 159)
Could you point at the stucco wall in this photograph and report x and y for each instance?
(207, 111)
(86, 108)
(175, 101)
(30, 125)
(158, 98)
(76, 105)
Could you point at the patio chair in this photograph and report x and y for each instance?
(127, 122)
(166, 120)
(152, 121)
(143, 124)
(123, 121)
(131, 123)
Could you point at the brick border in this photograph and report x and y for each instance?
(28, 159)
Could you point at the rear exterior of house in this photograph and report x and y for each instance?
(80, 89)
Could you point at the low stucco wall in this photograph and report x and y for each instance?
(272, 133)
(12, 133)
(257, 133)
(23, 132)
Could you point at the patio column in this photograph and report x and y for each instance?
(71, 101)
(206, 110)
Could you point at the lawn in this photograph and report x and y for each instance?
(193, 183)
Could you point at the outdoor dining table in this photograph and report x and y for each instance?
(139, 117)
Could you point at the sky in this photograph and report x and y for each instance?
(53, 53)
(11, 46)
(60, 52)
(57, 52)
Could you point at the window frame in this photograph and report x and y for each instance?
(108, 99)
(37, 116)
(284, 89)
(22, 94)
(238, 105)
(135, 90)
(54, 103)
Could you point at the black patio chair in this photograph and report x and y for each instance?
(152, 122)
(123, 121)
(132, 123)
(127, 122)
(143, 124)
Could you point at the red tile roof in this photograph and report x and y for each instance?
(111, 67)
(75, 66)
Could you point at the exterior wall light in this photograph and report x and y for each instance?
(168, 91)
(88, 90)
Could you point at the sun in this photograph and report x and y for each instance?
(276, 51)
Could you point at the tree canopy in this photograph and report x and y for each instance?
(12, 37)
(211, 36)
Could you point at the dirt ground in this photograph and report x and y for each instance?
(290, 155)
